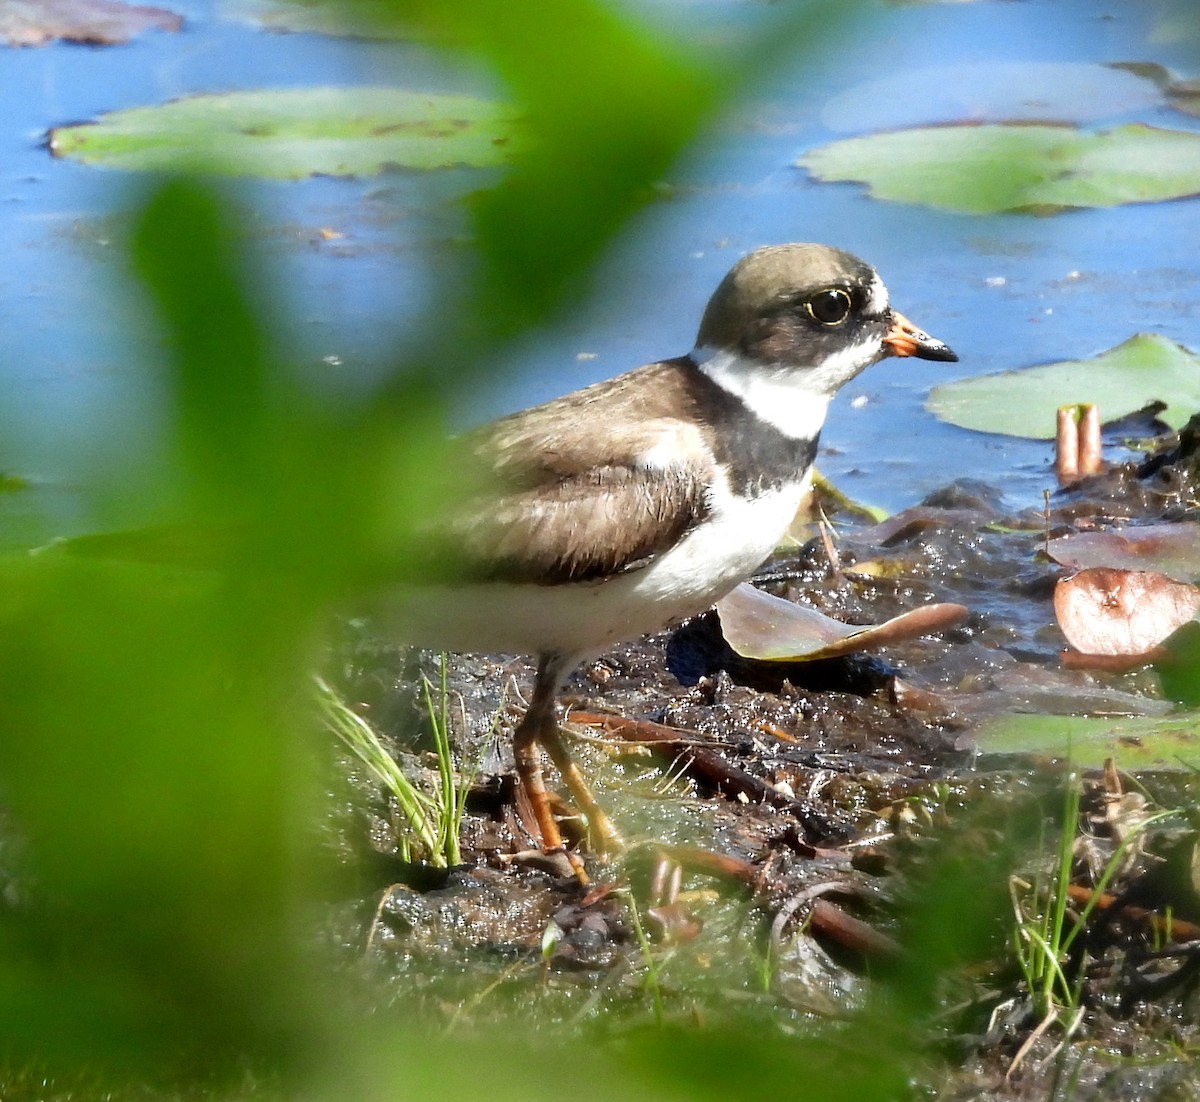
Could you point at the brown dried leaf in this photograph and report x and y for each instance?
(1171, 549)
(770, 629)
(1103, 611)
(91, 22)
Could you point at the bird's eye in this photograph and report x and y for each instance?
(831, 307)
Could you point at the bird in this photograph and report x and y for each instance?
(639, 501)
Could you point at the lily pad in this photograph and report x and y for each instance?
(985, 169)
(292, 133)
(768, 628)
(1120, 381)
(89, 22)
(1179, 665)
(1135, 742)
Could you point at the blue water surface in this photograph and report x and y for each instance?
(1005, 291)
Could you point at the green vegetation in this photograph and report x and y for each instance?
(1049, 921)
(432, 819)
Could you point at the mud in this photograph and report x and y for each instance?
(862, 767)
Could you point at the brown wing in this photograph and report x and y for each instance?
(595, 483)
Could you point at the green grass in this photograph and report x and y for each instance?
(1048, 924)
(432, 818)
(451, 803)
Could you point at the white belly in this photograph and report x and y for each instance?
(586, 617)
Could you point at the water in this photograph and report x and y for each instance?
(1004, 291)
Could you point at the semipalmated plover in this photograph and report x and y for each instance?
(639, 501)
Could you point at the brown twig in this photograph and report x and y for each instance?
(1177, 929)
(703, 763)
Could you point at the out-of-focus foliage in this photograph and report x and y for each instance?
(155, 758)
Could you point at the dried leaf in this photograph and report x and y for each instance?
(1103, 611)
(92, 22)
(770, 629)
(1171, 549)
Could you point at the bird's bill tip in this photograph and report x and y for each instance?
(905, 339)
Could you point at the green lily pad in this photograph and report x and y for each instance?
(1136, 742)
(292, 133)
(985, 169)
(1124, 379)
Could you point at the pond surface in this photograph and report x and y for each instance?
(1004, 291)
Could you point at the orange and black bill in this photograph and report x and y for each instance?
(905, 339)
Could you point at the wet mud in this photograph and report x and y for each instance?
(780, 819)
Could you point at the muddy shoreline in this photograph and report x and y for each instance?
(788, 881)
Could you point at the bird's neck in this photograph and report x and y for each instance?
(780, 396)
(757, 454)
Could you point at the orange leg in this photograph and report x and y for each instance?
(541, 726)
(601, 832)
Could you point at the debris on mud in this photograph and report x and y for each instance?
(781, 817)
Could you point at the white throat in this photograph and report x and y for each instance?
(794, 400)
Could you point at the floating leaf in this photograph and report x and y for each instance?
(1170, 549)
(1136, 742)
(758, 625)
(90, 22)
(298, 132)
(1124, 379)
(985, 169)
(1103, 611)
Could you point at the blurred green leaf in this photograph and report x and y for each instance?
(161, 792)
(644, 98)
(154, 755)
(1179, 672)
